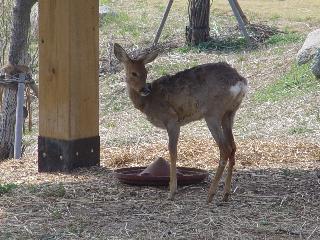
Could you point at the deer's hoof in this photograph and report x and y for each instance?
(210, 198)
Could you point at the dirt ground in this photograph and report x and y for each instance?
(275, 196)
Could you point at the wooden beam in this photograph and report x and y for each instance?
(68, 85)
(240, 20)
(163, 21)
(243, 16)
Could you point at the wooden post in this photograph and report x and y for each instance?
(19, 117)
(163, 21)
(240, 20)
(243, 16)
(68, 85)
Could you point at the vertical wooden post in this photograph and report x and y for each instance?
(68, 85)
(19, 118)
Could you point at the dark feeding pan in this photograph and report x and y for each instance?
(157, 174)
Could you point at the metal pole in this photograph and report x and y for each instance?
(19, 117)
(164, 18)
(240, 21)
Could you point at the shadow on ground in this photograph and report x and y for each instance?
(91, 204)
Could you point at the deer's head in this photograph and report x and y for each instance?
(136, 72)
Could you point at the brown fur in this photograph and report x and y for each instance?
(193, 94)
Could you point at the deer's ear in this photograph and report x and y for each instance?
(120, 53)
(149, 57)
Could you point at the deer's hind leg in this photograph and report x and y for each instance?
(227, 124)
(215, 127)
(173, 132)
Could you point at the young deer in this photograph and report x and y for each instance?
(211, 91)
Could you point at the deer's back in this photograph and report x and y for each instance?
(198, 91)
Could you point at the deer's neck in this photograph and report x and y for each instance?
(137, 100)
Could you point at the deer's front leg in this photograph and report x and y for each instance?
(173, 133)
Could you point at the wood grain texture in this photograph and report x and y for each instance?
(69, 92)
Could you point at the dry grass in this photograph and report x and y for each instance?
(285, 10)
(275, 196)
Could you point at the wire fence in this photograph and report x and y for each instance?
(14, 79)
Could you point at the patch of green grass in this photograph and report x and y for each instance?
(7, 187)
(161, 7)
(102, 2)
(227, 44)
(56, 214)
(301, 129)
(32, 188)
(284, 38)
(117, 18)
(298, 80)
(275, 16)
(111, 124)
(122, 23)
(55, 190)
(185, 49)
(116, 103)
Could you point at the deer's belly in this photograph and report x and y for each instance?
(156, 122)
(189, 112)
(187, 118)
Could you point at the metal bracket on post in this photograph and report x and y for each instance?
(240, 21)
(19, 117)
(163, 21)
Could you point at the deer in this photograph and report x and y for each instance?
(212, 91)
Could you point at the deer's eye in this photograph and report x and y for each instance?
(134, 74)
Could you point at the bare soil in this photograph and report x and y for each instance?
(275, 196)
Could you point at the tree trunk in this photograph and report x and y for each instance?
(17, 55)
(7, 123)
(5, 23)
(198, 29)
(20, 30)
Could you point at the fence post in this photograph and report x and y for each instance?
(19, 117)
(240, 20)
(163, 21)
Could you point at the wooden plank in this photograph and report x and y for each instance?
(240, 20)
(84, 62)
(69, 94)
(163, 21)
(54, 82)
